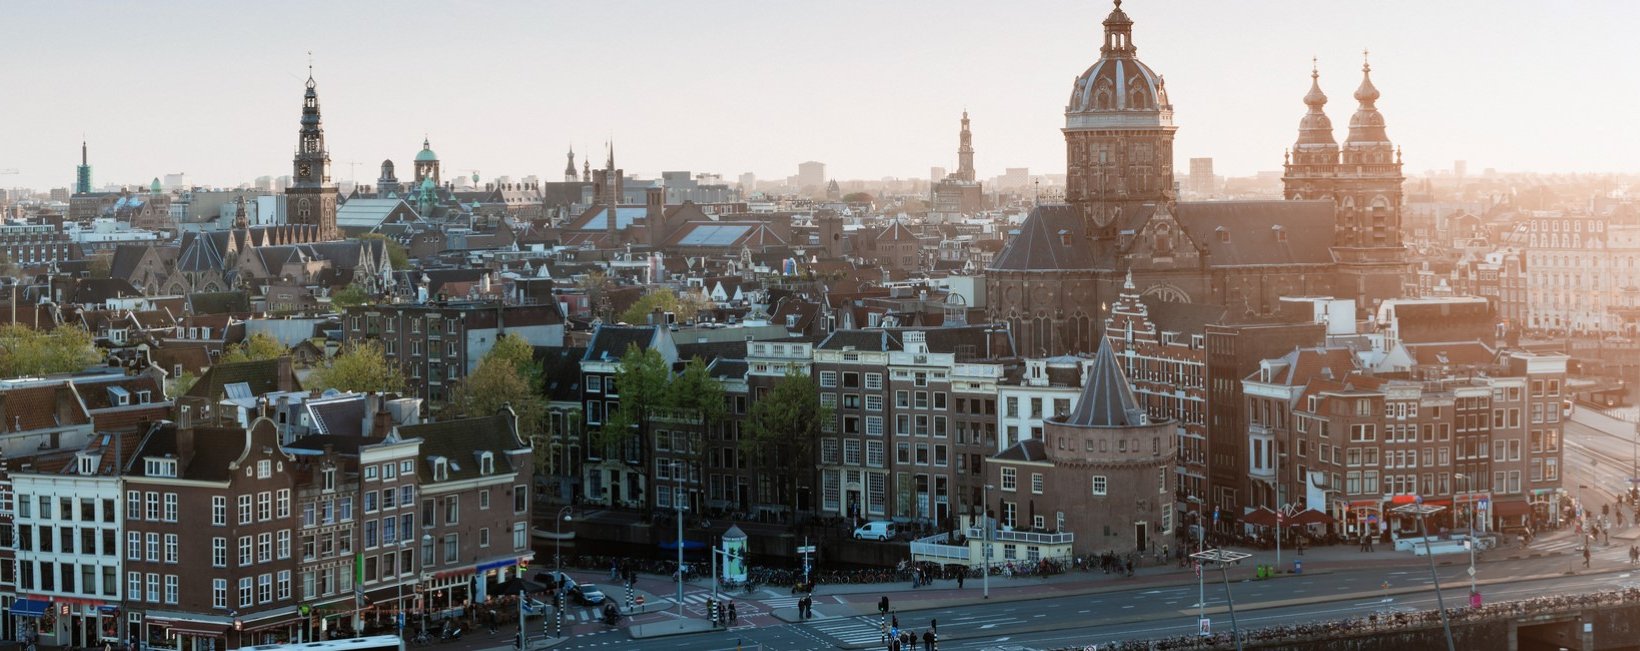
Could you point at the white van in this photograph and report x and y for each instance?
(880, 530)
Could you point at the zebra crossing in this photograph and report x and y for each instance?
(865, 629)
(780, 602)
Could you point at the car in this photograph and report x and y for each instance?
(588, 594)
(555, 580)
(880, 530)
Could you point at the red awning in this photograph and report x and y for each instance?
(1261, 516)
(1309, 517)
(1511, 509)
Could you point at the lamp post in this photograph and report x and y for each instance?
(1201, 546)
(677, 505)
(398, 589)
(985, 538)
(1224, 557)
(1470, 542)
(1418, 508)
(563, 515)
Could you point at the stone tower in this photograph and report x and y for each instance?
(427, 163)
(1118, 133)
(965, 152)
(311, 198)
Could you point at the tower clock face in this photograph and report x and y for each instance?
(304, 170)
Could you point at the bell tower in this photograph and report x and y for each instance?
(311, 199)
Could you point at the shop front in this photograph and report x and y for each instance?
(25, 617)
(67, 621)
(278, 626)
(184, 631)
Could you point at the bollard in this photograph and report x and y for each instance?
(558, 610)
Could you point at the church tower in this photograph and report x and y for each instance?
(311, 199)
(569, 170)
(1118, 133)
(82, 174)
(965, 152)
(426, 163)
(388, 184)
(1363, 178)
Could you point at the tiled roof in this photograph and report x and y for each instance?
(1053, 237)
(610, 342)
(874, 340)
(1250, 231)
(1026, 450)
(41, 406)
(1107, 399)
(263, 376)
(460, 441)
(560, 371)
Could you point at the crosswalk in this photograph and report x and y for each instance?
(781, 602)
(864, 629)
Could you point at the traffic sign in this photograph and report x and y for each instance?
(1471, 571)
(806, 549)
(1206, 626)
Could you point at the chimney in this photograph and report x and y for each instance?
(185, 437)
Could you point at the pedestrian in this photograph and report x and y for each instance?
(734, 615)
(928, 640)
(896, 622)
(960, 575)
(1585, 555)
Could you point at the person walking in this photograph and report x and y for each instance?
(1585, 555)
(734, 615)
(928, 640)
(960, 575)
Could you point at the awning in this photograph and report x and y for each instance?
(1261, 517)
(193, 629)
(29, 607)
(1309, 517)
(1511, 509)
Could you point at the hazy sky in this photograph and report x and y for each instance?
(871, 88)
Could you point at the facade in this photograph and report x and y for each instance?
(1580, 274)
(311, 198)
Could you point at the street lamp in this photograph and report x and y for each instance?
(398, 588)
(985, 538)
(1418, 508)
(1201, 546)
(1470, 542)
(559, 519)
(426, 553)
(1225, 557)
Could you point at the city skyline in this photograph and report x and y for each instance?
(587, 74)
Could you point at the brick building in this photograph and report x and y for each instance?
(438, 344)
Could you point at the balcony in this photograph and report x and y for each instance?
(938, 548)
(1026, 537)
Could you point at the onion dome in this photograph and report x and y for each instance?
(1118, 81)
(1367, 125)
(1315, 128)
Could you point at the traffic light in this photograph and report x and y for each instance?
(1605, 509)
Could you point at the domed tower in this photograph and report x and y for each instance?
(426, 163)
(388, 185)
(1118, 133)
(1369, 176)
(569, 170)
(311, 198)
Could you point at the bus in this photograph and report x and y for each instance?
(370, 643)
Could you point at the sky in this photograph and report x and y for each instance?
(872, 88)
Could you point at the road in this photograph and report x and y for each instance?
(1157, 611)
(1602, 461)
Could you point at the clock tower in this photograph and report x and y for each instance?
(311, 198)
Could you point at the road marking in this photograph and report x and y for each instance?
(988, 626)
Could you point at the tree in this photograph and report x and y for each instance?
(349, 296)
(685, 306)
(782, 429)
(597, 286)
(28, 352)
(182, 383)
(507, 375)
(396, 253)
(361, 367)
(99, 266)
(857, 197)
(258, 346)
(641, 381)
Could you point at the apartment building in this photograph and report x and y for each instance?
(437, 344)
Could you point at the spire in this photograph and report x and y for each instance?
(84, 158)
(1367, 125)
(1315, 129)
(965, 151)
(240, 221)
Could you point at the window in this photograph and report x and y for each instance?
(282, 510)
(152, 546)
(1036, 485)
(370, 502)
(264, 469)
(452, 548)
(153, 587)
(1100, 486)
(521, 498)
(170, 513)
(264, 588)
(284, 584)
(133, 505)
(244, 509)
(133, 585)
(245, 584)
(244, 551)
(219, 511)
(483, 536)
(264, 506)
(133, 544)
(153, 506)
(484, 495)
(171, 548)
(170, 588)
(219, 592)
(452, 509)
(219, 552)
(1009, 478)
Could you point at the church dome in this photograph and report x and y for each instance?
(1118, 81)
(426, 154)
(1367, 125)
(1315, 128)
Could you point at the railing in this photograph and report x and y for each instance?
(935, 546)
(1027, 537)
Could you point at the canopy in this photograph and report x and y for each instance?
(1261, 516)
(29, 607)
(1309, 517)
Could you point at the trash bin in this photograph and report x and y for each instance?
(1298, 566)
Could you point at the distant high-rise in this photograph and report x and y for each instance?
(82, 174)
(811, 174)
(1201, 176)
(935, 174)
(748, 182)
(311, 198)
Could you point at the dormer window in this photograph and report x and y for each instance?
(486, 463)
(328, 476)
(88, 464)
(160, 467)
(441, 468)
(118, 396)
(1224, 235)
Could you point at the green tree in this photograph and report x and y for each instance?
(258, 346)
(182, 383)
(28, 352)
(685, 306)
(361, 367)
(857, 197)
(349, 296)
(99, 266)
(507, 375)
(641, 384)
(396, 253)
(782, 429)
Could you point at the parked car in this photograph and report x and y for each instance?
(587, 594)
(880, 530)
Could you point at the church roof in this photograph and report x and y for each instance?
(1245, 233)
(1051, 238)
(1107, 399)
